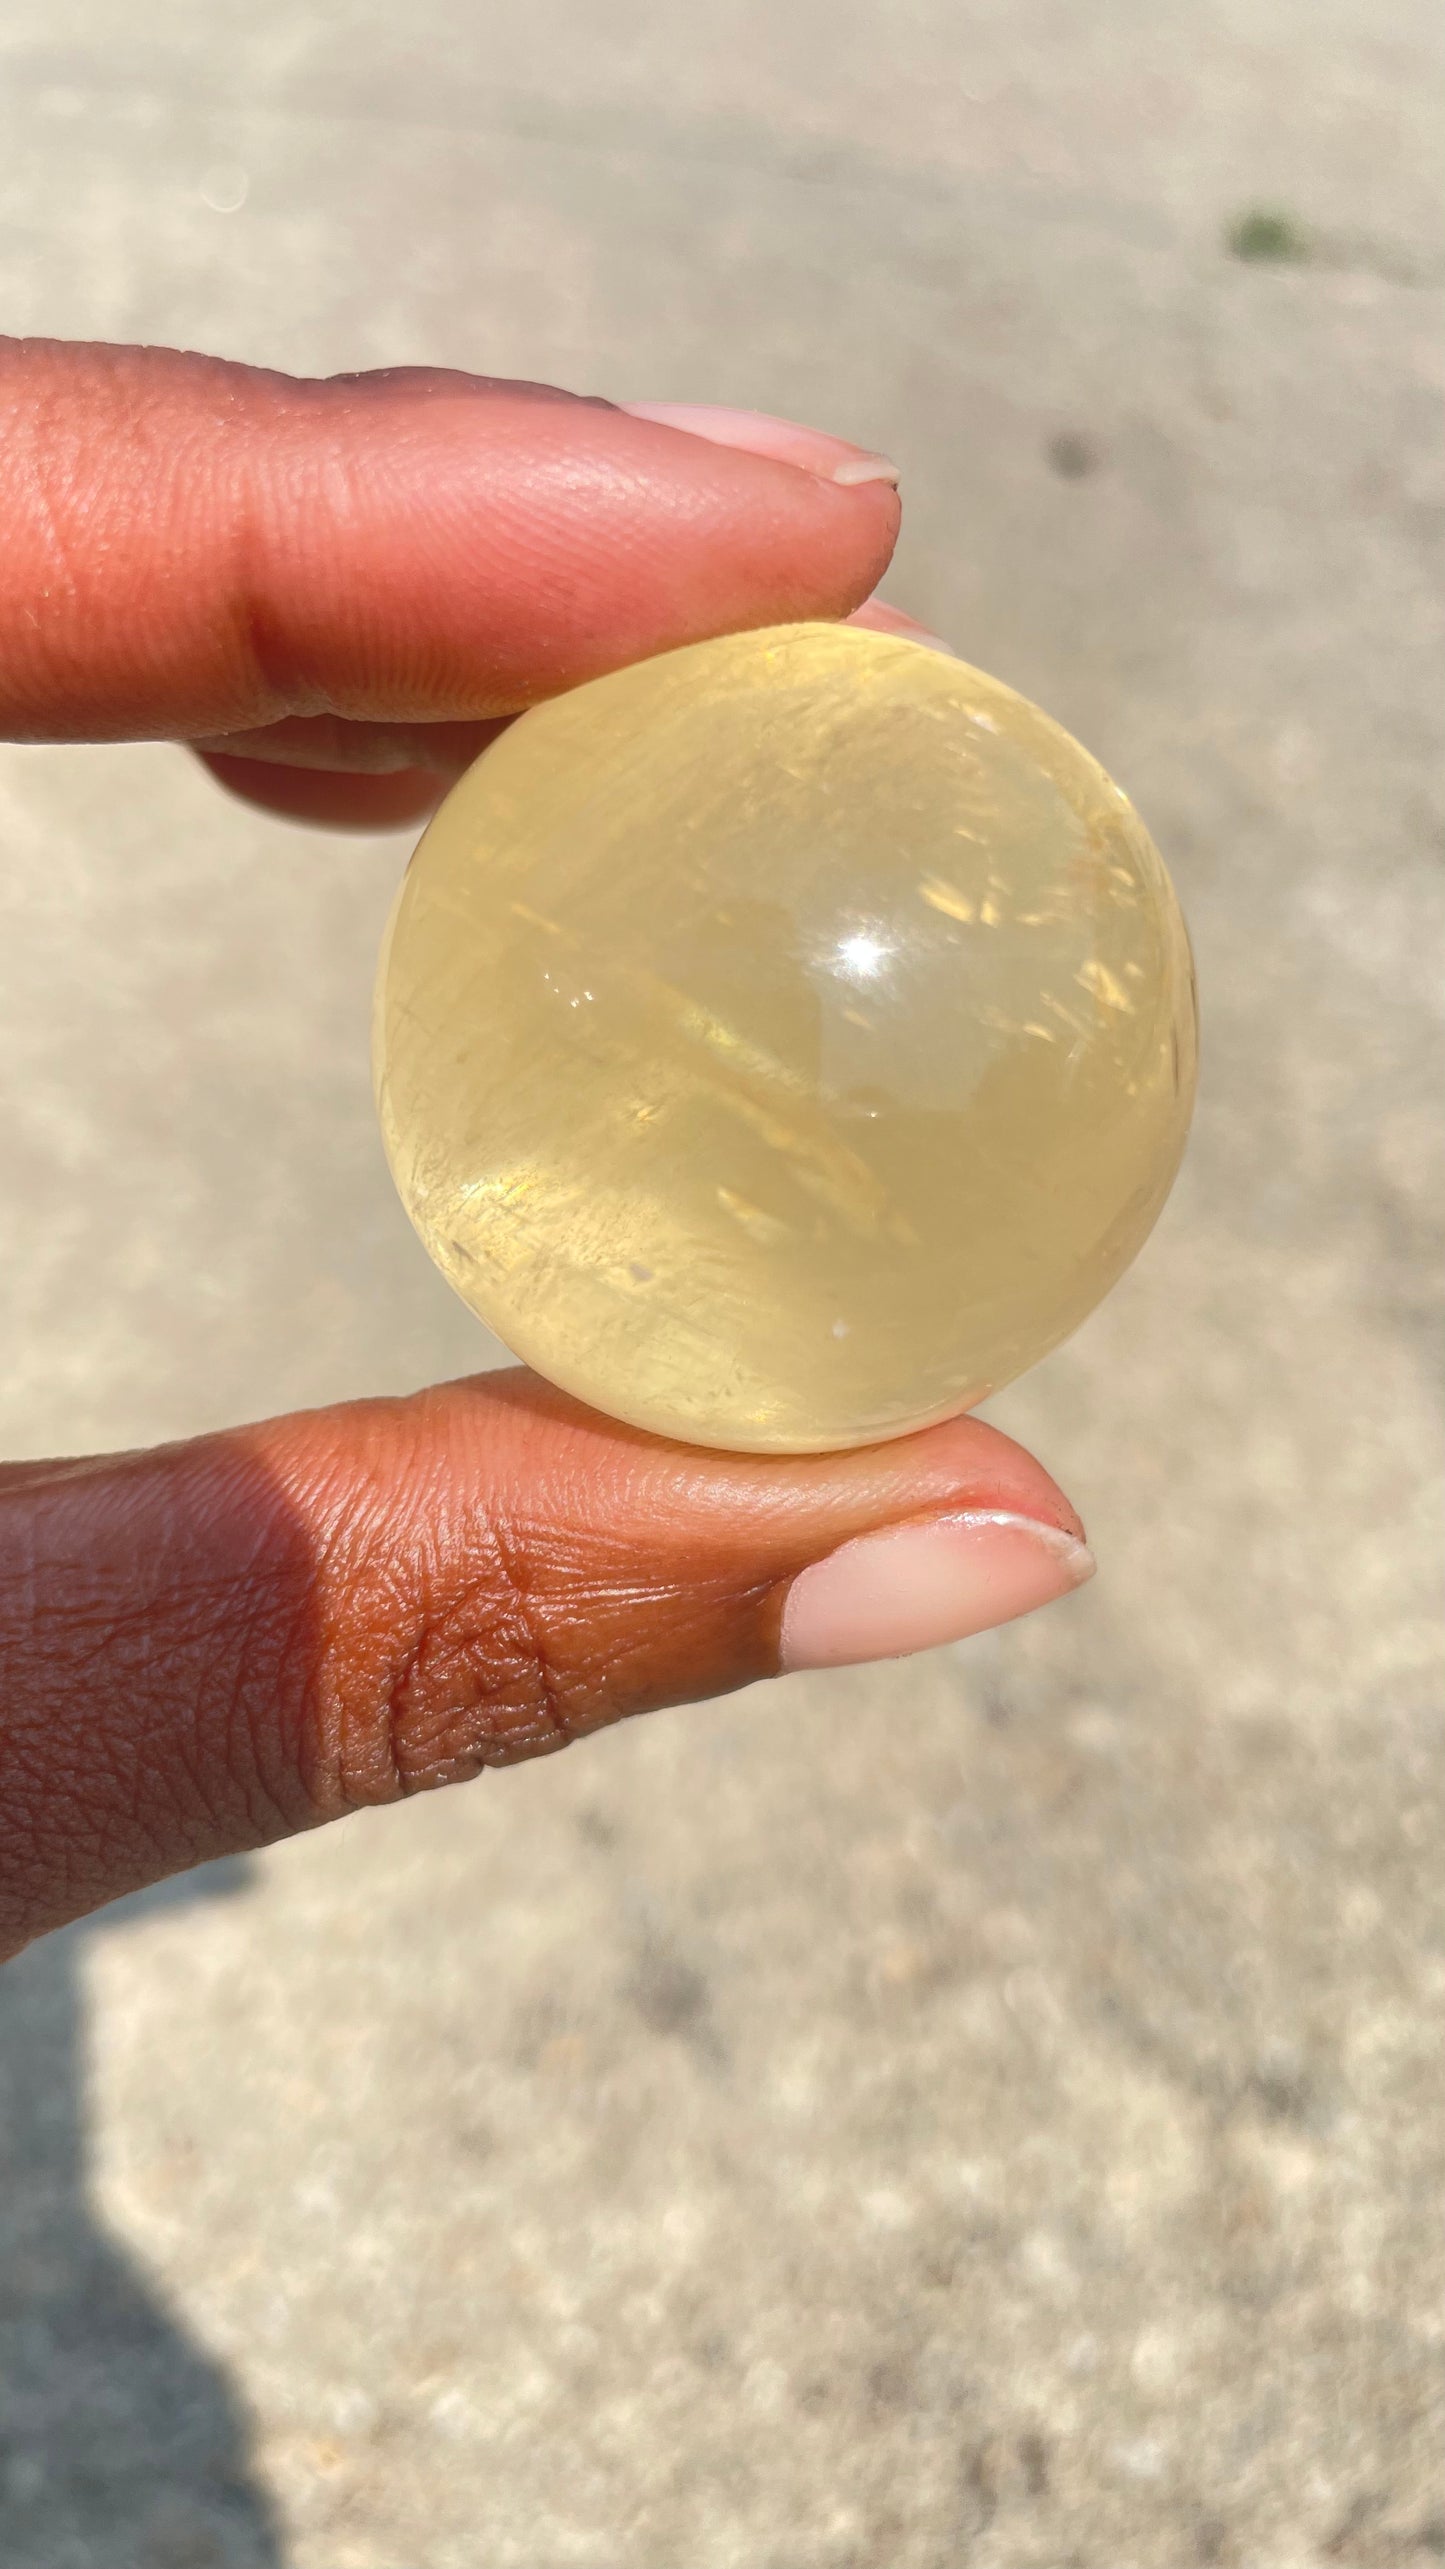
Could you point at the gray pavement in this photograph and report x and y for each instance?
(987, 2112)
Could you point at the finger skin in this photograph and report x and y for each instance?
(195, 549)
(377, 776)
(324, 799)
(216, 1644)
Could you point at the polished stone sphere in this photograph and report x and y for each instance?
(783, 1042)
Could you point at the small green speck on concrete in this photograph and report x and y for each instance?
(1268, 237)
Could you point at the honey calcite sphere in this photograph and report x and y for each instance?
(785, 1041)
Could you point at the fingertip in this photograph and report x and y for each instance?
(318, 798)
(914, 1587)
(876, 616)
(777, 441)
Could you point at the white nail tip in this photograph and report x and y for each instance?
(853, 469)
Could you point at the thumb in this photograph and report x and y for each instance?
(216, 1644)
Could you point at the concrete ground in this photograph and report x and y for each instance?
(987, 2112)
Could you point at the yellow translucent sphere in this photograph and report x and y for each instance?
(783, 1042)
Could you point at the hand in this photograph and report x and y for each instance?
(335, 593)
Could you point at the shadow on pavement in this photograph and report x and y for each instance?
(122, 2445)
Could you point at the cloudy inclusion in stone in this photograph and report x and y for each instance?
(784, 1042)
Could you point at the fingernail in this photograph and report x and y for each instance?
(914, 1586)
(781, 441)
(876, 616)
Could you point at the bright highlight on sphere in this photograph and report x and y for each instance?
(784, 1042)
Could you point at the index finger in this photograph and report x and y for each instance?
(195, 548)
